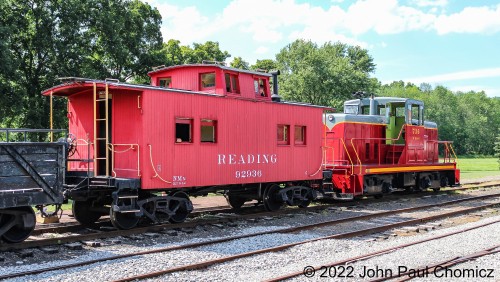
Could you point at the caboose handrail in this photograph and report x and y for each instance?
(111, 147)
(153, 165)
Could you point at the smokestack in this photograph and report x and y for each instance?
(373, 107)
(275, 97)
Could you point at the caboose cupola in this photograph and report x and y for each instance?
(215, 79)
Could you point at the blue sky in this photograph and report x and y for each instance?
(452, 43)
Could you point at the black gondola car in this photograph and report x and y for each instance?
(31, 174)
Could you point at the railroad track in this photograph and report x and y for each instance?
(286, 230)
(313, 269)
(252, 212)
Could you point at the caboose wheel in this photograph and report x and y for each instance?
(23, 220)
(235, 202)
(304, 204)
(181, 212)
(123, 221)
(270, 199)
(83, 213)
(307, 202)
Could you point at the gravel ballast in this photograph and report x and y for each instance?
(264, 266)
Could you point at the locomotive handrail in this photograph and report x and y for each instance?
(111, 147)
(386, 139)
(357, 156)
(333, 153)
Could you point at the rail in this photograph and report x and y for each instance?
(25, 133)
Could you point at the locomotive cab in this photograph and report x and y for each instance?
(382, 144)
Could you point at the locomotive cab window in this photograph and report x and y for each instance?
(300, 135)
(165, 82)
(208, 131)
(183, 130)
(207, 80)
(351, 109)
(415, 113)
(283, 134)
(232, 85)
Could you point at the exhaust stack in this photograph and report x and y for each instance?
(275, 97)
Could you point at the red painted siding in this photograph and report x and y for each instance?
(247, 132)
(80, 124)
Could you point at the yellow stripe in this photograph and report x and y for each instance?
(408, 168)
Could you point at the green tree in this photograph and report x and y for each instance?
(265, 65)
(208, 51)
(497, 147)
(324, 75)
(239, 63)
(173, 53)
(47, 39)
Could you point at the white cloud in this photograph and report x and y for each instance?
(464, 75)
(186, 24)
(261, 50)
(470, 20)
(431, 3)
(273, 20)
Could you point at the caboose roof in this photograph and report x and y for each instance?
(75, 85)
(164, 69)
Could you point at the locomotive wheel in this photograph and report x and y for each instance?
(23, 226)
(83, 213)
(123, 221)
(181, 212)
(235, 202)
(271, 203)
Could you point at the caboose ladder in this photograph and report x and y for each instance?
(99, 138)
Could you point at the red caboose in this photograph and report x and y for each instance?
(382, 143)
(196, 129)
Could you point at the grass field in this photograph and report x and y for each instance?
(473, 168)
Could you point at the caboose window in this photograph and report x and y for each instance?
(232, 84)
(283, 134)
(183, 130)
(207, 80)
(300, 135)
(208, 131)
(165, 82)
(260, 87)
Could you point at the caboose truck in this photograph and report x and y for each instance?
(380, 144)
(31, 173)
(143, 150)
